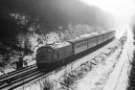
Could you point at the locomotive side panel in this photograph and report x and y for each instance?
(64, 52)
(80, 46)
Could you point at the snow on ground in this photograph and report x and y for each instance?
(96, 78)
(90, 72)
(119, 78)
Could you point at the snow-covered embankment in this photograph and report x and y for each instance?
(91, 72)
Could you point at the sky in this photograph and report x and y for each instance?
(122, 10)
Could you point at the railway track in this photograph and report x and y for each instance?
(19, 77)
(20, 81)
(16, 73)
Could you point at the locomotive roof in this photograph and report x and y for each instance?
(59, 45)
(82, 37)
(86, 36)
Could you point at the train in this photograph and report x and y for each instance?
(49, 57)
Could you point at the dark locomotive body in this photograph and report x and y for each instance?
(53, 56)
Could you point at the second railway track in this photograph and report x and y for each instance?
(17, 76)
(16, 73)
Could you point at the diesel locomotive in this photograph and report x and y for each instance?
(52, 56)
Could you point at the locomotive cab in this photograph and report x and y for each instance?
(49, 57)
(44, 55)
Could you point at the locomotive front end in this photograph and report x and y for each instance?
(44, 57)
